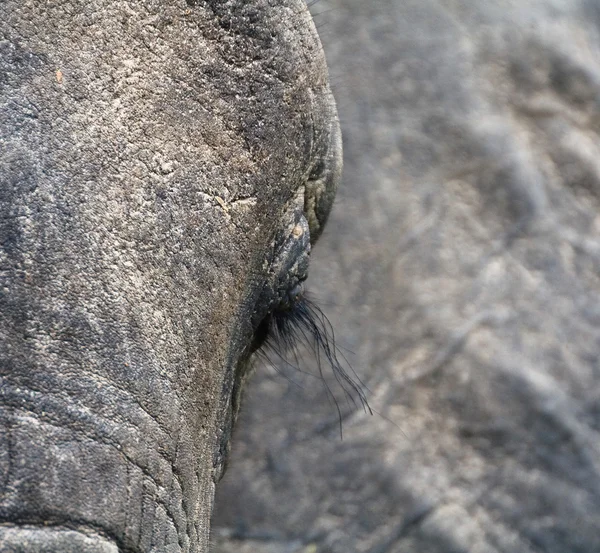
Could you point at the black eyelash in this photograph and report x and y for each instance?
(305, 324)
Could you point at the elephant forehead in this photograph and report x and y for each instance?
(156, 142)
(167, 90)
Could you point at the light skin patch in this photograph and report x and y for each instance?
(222, 203)
(297, 231)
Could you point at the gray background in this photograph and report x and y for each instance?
(460, 271)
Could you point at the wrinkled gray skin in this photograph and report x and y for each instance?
(155, 157)
(461, 266)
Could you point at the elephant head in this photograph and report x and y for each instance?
(164, 169)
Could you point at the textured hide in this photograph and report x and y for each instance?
(151, 154)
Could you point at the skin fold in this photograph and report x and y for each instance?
(152, 156)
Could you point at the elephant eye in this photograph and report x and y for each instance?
(284, 288)
(287, 320)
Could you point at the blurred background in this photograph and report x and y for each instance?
(460, 270)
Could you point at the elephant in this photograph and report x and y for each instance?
(459, 270)
(165, 168)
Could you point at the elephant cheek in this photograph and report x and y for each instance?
(118, 484)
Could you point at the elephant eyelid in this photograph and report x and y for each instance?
(305, 326)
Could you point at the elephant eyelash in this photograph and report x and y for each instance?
(306, 326)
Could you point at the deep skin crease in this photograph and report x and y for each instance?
(156, 159)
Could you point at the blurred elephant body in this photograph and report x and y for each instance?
(464, 259)
(152, 156)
